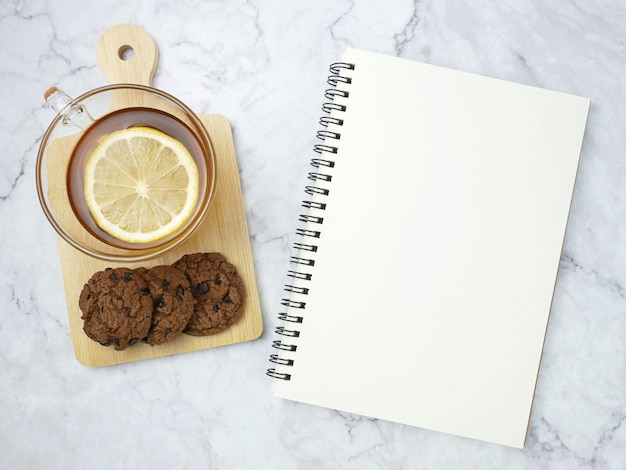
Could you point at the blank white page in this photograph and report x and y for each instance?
(439, 249)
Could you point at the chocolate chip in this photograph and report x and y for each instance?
(128, 311)
(145, 291)
(218, 280)
(134, 341)
(100, 309)
(127, 276)
(114, 277)
(180, 293)
(168, 331)
(215, 309)
(160, 303)
(227, 299)
(166, 285)
(203, 288)
(114, 340)
(108, 269)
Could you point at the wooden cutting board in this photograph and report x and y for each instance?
(224, 230)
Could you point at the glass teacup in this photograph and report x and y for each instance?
(76, 131)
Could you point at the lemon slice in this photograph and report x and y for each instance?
(141, 185)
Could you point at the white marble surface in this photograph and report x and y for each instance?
(263, 65)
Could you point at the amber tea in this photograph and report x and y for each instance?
(119, 120)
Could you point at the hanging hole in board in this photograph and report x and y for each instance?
(125, 52)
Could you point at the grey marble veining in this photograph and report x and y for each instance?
(263, 65)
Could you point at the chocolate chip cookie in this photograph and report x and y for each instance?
(172, 303)
(218, 290)
(117, 307)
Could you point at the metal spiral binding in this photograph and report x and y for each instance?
(306, 247)
(319, 162)
(311, 190)
(328, 120)
(314, 205)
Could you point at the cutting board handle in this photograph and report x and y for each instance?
(126, 53)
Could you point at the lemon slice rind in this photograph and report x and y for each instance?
(141, 185)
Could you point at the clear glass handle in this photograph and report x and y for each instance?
(73, 115)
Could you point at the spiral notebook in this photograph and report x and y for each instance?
(423, 272)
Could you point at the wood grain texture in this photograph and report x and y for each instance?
(224, 230)
(127, 54)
